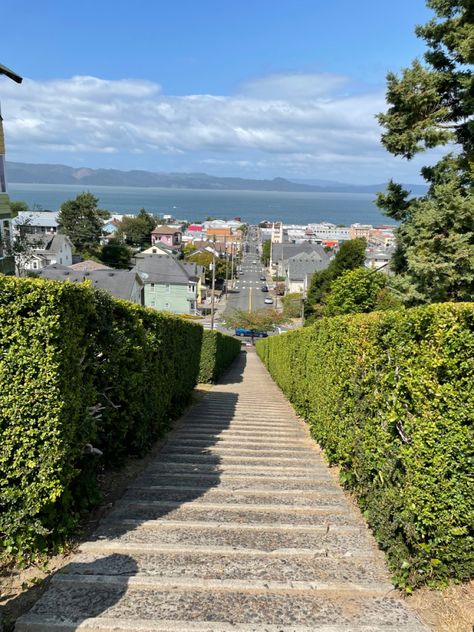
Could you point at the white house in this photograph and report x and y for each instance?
(36, 222)
(46, 249)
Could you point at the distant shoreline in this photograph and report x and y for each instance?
(197, 204)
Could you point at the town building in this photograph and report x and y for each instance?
(7, 262)
(44, 250)
(167, 235)
(35, 223)
(298, 267)
(169, 285)
(89, 265)
(280, 253)
(360, 231)
(124, 284)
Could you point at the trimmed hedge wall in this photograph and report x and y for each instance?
(217, 353)
(390, 396)
(78, 367)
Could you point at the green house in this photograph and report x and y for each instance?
(170, 285)
(7, 262)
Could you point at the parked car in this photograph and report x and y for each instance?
(241, 331)
(268, 301)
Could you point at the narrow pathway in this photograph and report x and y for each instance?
(238, 526)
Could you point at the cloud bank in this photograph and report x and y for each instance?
(298, 125)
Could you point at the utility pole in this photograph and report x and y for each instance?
(250, 299)
(232, 262)
(226, 267)
(213, 282)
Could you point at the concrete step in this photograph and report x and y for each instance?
(295, 569)
(118, 598)
(320, 540)
(38, 623)
(238, 481)
(249, 497)
(170, 456)
(177, 448)
(166, 582)
(236, 468)
(254, 444)
(235, 514)
(232, 433)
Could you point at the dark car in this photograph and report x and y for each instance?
(265, 288)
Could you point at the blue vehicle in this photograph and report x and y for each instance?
(240, 331)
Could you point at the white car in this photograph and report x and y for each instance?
(268, 301)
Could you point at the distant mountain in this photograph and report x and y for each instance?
(20, 172)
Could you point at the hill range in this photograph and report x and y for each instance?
(28, 173)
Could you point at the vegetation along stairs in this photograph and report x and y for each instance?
(238, 526)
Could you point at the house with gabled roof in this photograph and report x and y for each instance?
(124, 284)
(170, 285)
(168, 235)
(45, 250)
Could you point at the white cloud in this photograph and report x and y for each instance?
(295, 121)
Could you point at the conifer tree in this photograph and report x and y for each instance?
(431, 105)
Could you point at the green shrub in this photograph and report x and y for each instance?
(390, 397)
(217, 353)
(78, 367)
(45, 397)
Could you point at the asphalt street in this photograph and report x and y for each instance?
(247, 291)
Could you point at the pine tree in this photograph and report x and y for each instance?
(432, 104)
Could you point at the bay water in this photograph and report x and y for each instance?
(196, 204)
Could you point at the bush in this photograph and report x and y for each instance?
(217, 353)
(78, 367)
(389, 396)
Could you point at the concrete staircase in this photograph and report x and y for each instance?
(239, 526)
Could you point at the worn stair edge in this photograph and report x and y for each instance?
(220, 476)
(337, 493)
(222, 442)
(241, 526)
(112, 546)
(37, 623)
(198, 584)
(230, 507)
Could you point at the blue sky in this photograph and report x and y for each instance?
(260, 89)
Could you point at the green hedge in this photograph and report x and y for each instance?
(78, 367)
(390, 396)
(217, 353)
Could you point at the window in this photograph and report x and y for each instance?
(152, 286)
(167, 287)
(191, 287)
(35, 265)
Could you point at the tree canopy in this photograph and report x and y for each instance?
(431, 105)
(355, 291)
(205, 259)
(351, 255)
(256, 320)
(82, 221)
(115, 255)
(136, 231)
(266, 250)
